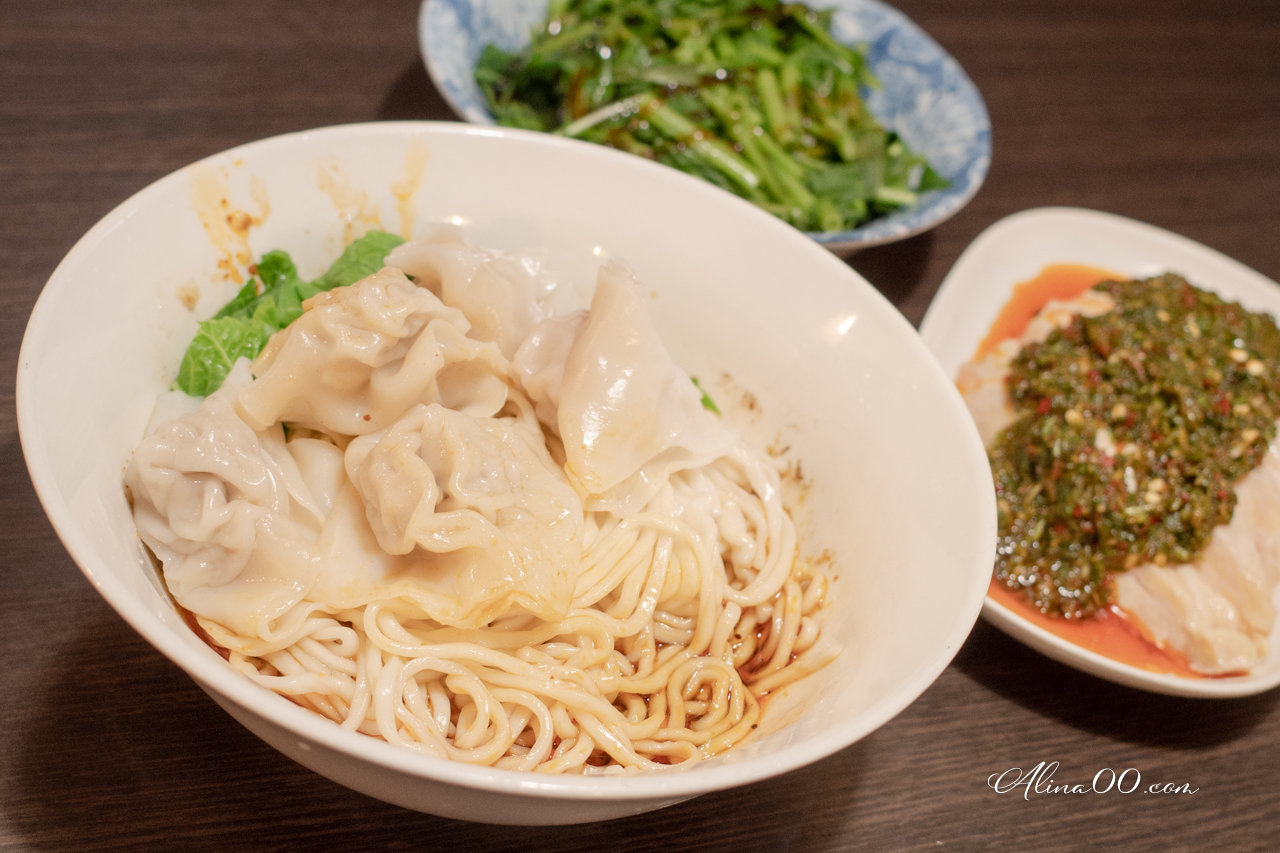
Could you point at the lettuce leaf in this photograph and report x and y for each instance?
(361, 259)
(217, 345)
(269, 302)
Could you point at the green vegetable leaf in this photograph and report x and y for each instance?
(931, 180)
(493, 66)
(215, 349)
(282, 292)
(265, 305)
(846, 182)
(516, 114)
(707, 402)
(276, 269)
(243, 300)
(362, 258)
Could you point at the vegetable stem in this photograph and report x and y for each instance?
(754, 96)
(626, 106)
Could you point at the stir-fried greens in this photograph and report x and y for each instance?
(754, 96)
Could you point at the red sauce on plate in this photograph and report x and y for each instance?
(1112, 633)
(1056, 281)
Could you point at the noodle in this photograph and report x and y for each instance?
(621, 679)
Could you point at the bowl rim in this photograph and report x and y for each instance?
(845, 242)
(214, 675)
(939, 328)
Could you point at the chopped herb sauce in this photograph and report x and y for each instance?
(1133, 428)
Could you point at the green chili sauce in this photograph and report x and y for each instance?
(1133, 429)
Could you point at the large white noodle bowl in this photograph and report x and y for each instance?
(899, 492)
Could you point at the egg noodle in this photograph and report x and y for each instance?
(476, 575)
(645, 668)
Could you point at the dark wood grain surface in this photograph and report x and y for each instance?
(1168, 112)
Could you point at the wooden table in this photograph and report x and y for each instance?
(1167, 112)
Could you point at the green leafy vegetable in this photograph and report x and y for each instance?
(707, 402)
(362, 258)
(268, 302)
(754, 96)
(217, 345)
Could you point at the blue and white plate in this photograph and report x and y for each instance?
(925, 95)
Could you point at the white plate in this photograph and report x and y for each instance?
(1014, 250)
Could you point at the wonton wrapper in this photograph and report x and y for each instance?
(539, 363)
(500, 293)
(464, 519)
(359, 356)
(227, 512)
(628, 416)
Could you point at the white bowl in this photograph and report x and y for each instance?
(900, 492)
(981, 282)
(924, 95)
